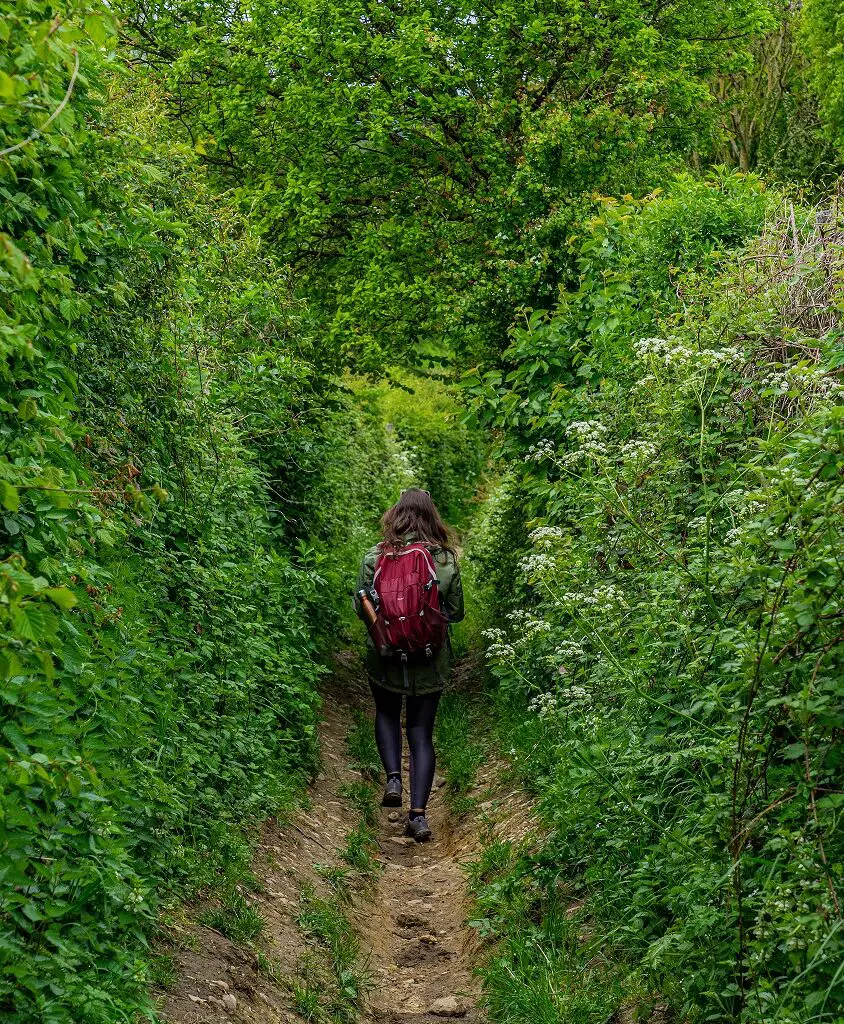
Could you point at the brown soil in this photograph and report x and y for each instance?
(421, 950)
(416, 947)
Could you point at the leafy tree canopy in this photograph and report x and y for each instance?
(418, 164)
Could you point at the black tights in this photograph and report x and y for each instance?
(421, 712)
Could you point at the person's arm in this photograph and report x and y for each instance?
(366, 574)
(453, 597)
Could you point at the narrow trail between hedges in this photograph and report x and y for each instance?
(421, 952)
(417, 954)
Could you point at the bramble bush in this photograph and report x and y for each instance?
(669, 672)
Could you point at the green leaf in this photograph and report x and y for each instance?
(8, 86)
(32, 621)
(96, 28)
(62, 596)
(10, 665)
(9, 496)
(28, 409)
(58, 498)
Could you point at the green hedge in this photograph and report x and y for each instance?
(670, 669)
(176, 538)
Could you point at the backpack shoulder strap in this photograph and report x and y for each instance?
(379, 561)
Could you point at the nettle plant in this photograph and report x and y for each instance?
(680, 647)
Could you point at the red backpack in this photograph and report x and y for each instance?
(407, 596)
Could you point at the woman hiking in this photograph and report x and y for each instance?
(408, 591)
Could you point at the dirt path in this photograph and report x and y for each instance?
(414, 945)
(414, 928)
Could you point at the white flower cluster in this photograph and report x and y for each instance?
(736, 534)
(785, 908)
(405, 465)
(662, 348)
(537, 564)
(569, 699)
(544, 536)
(605, 598)
(742, 509)
(733, 498)
(829, 387)
(501, 651)
(562, 656)
(538, 452)
(544, 705)
(639, 451)
(495, 635)
(586, 430)
(533, 625)
(676, 352)
(571, 458)
(588, 436)
(504, 647)
(569, 649)
(528, 625)
(775, 381)
(803, 377)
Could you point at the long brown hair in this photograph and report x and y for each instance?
(415, 512)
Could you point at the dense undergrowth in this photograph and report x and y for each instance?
(668, 661)
(185, 493)
(245, 251)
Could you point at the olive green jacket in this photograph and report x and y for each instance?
(430, 676)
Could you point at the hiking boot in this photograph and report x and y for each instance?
(418, 828)
(392, 792)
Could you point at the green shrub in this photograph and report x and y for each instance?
(176, 545)
(671, 674)
(427, 418)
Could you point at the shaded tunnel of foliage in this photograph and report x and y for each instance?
(248, 252)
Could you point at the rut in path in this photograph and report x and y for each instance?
(415, 944)
(421, 950)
